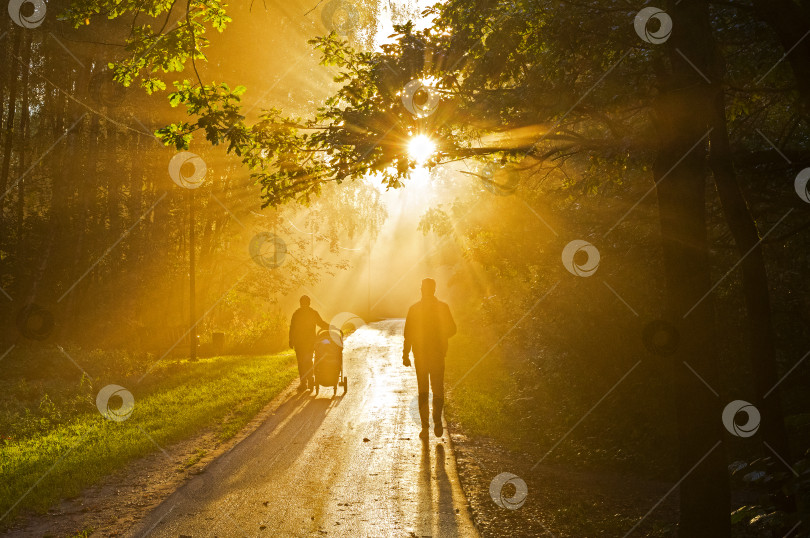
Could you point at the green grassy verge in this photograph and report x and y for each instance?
(478, 394)
(174, 402)
(527, 404)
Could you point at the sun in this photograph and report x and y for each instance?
(421, 148)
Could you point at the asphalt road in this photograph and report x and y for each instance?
(307, 470)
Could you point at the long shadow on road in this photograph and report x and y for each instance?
(330, 465)
(435, 508)
(232, 479)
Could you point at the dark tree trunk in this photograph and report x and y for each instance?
(761, 334)
(56, 225)
(136, 189)
(113, 181)
(682, 118)
(21, 151)
(6, 60)
(8, 143)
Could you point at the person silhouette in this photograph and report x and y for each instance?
(427, 328)
(302, 339)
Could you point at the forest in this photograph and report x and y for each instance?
(612, 196)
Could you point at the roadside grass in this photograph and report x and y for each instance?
(478, 393)
(193, 460)
(528, 405)
(177, 400)
(488, 400)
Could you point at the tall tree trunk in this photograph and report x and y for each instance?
(681, 115)
(20, 254)
(761, 334)
(113, 178)
(12, 107)
(56, 227)
(83, 177)
(6, 60)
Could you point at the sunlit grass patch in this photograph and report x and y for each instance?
(173, 403)
(478, 393)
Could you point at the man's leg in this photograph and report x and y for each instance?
(422, 382)
(309, 371)
(304, 356)
(437, 386)
(299, 355)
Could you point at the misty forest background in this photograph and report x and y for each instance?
(94, 248)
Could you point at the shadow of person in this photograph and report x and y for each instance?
(424, 494)
(446, 523)
(441, 472)
(295, 421)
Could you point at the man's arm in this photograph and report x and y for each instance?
(320, 322)
(406, 351)
(449, 323)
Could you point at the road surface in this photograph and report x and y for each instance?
(350, 465)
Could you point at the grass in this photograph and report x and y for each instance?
(527, 403)
(53, 460)
(477, 395)
(194, 459)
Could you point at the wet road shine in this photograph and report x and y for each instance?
(307, 470)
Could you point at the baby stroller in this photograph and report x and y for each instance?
(329, 362)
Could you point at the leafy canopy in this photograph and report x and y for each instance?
(530, 81)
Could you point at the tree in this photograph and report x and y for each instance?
(680, 172)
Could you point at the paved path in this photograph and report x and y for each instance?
(308, 472)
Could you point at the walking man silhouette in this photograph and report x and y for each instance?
(427, 328)
(302, 339)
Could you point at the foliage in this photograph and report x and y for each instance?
(770, 486)
(153, 51)
(97, 230)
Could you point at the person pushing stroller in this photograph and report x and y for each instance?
(303, 324)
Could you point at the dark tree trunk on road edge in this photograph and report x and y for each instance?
(761, 334)
(681, 114)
